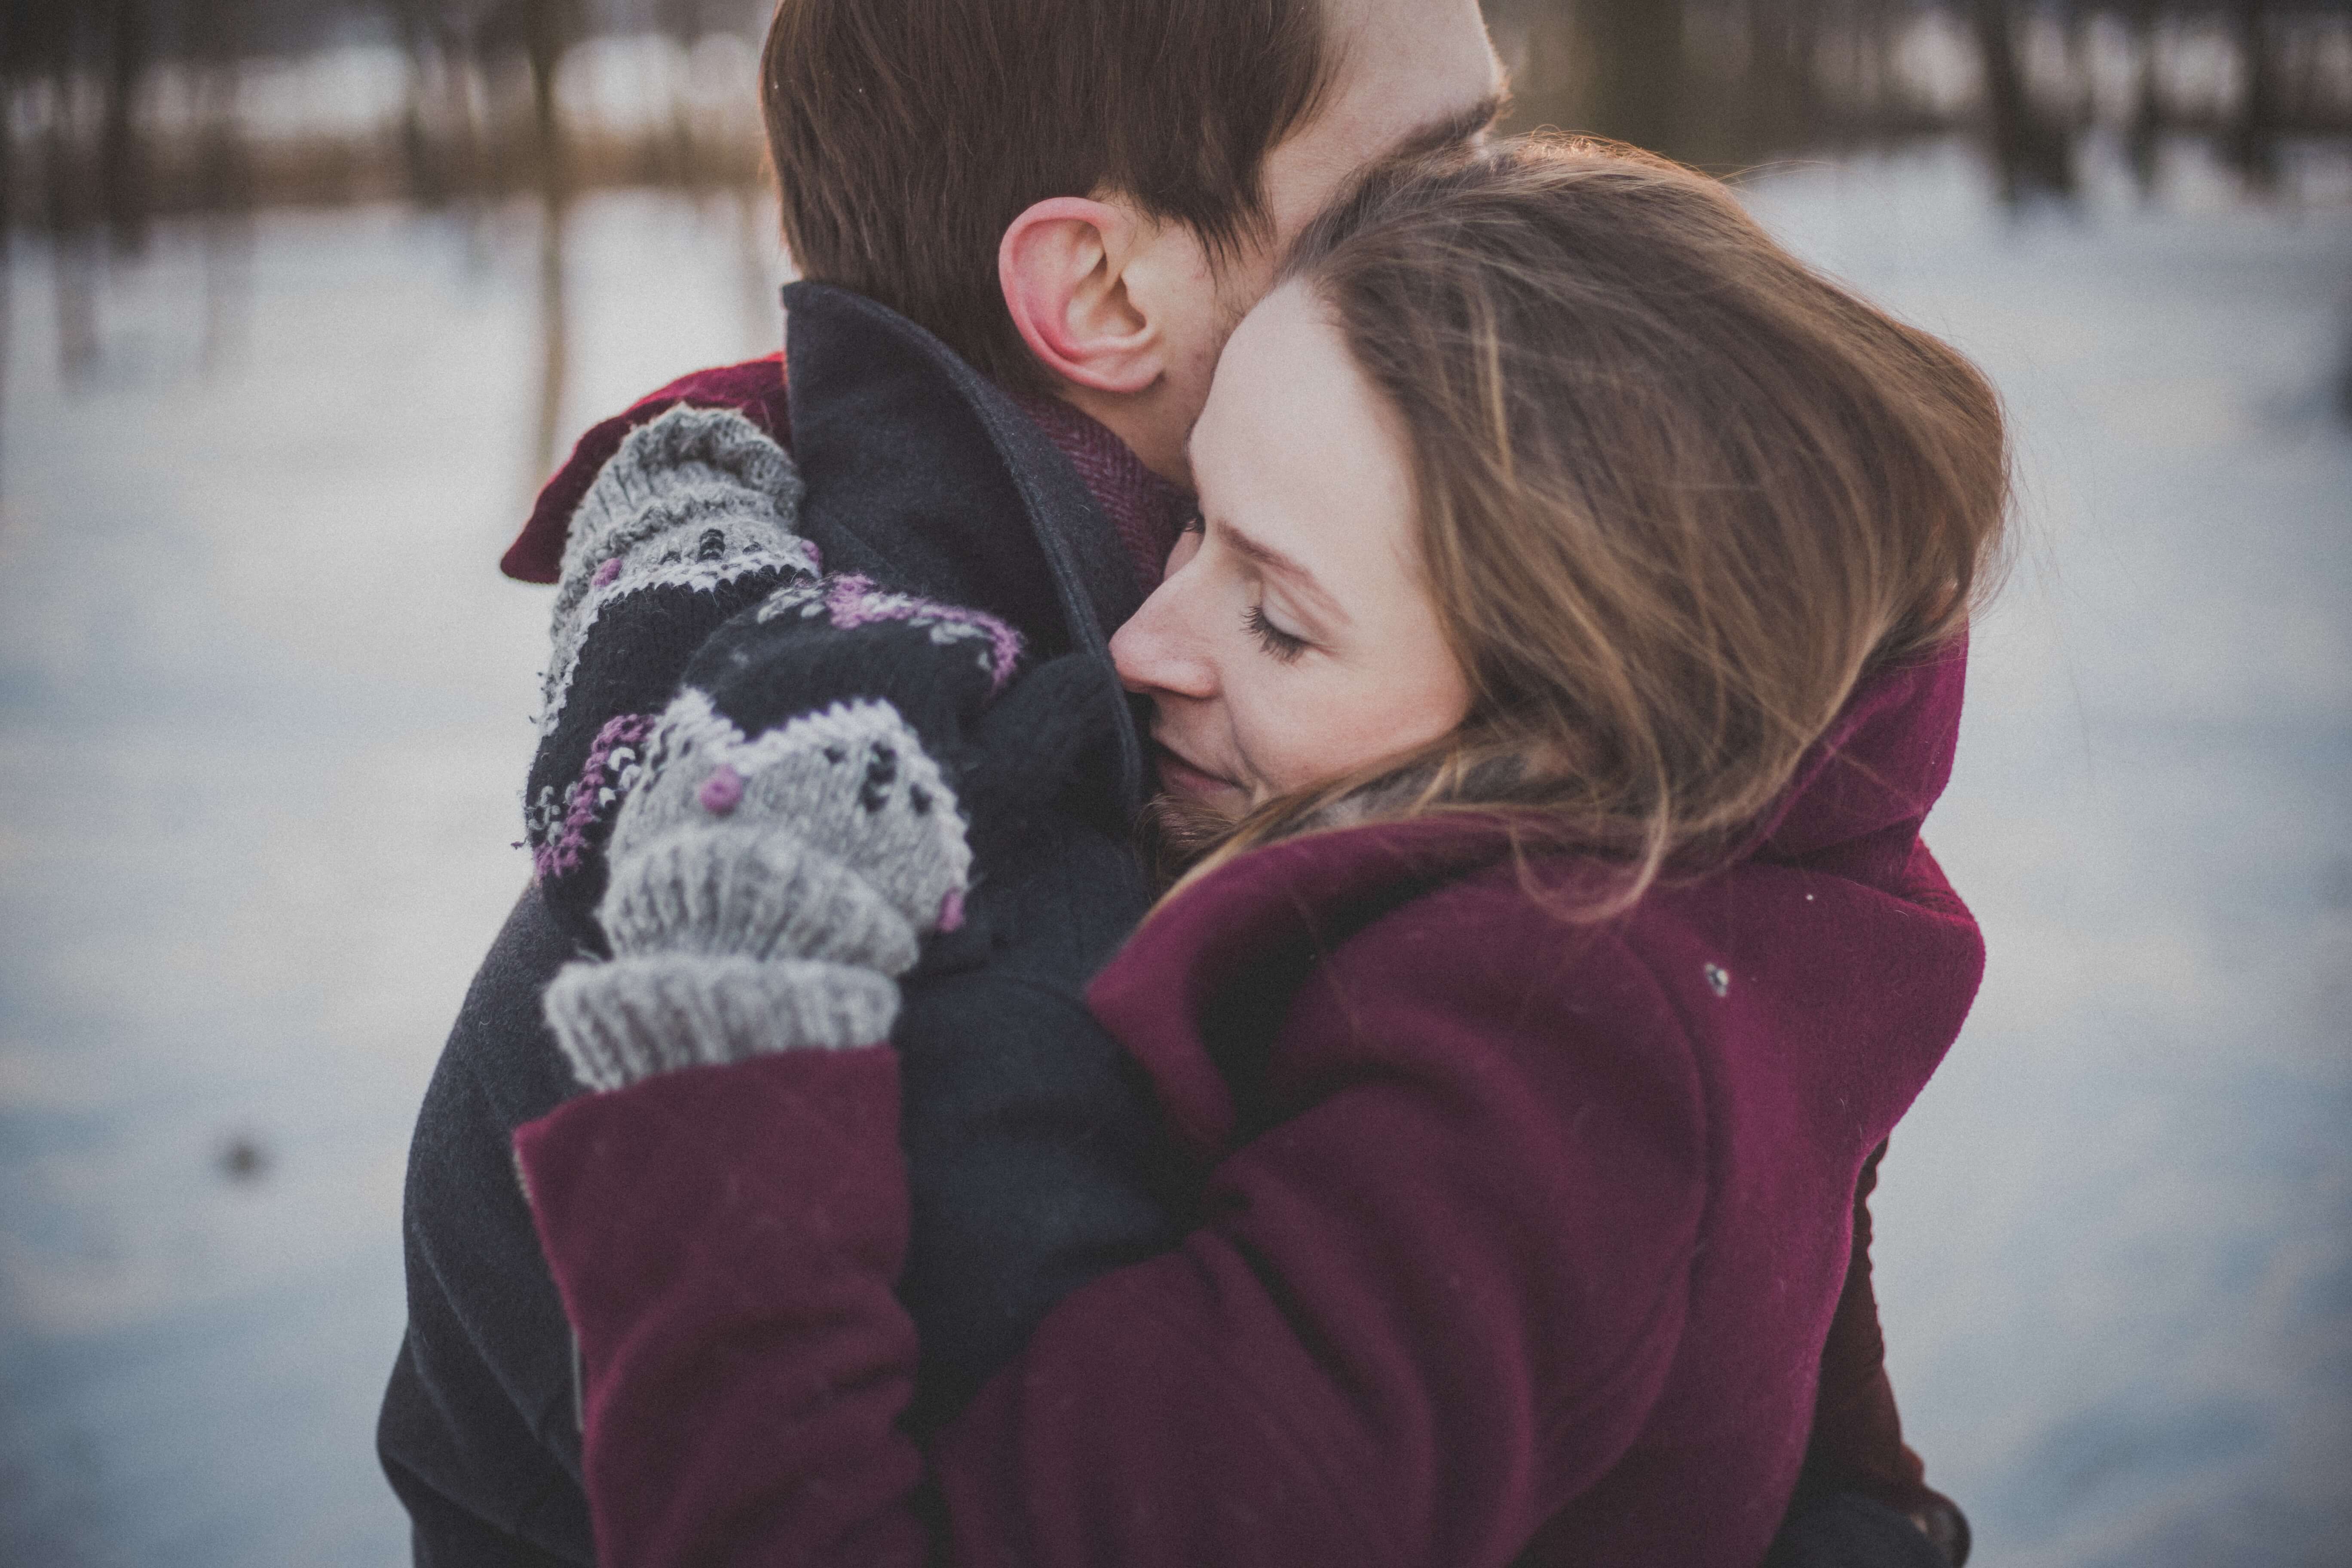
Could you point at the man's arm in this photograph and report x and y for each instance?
(479, 1434)
(1028, 1139)
(1859, 1474)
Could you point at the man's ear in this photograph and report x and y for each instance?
(1062, 264)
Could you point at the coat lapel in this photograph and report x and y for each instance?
(922, 473)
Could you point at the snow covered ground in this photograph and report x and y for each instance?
(2116, 1233)
(262, 713)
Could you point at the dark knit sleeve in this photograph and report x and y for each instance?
(1857, 1438)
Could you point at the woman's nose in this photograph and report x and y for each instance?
(1156, 651)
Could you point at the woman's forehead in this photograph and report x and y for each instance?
(1295, 448)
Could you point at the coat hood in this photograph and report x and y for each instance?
(1872, 776)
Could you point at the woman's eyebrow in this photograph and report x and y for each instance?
(1287, 568)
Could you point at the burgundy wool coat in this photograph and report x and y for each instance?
(1520, 1241)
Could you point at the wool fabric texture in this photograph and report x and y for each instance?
(630, 1017)
(757, 389)
(1148, 512)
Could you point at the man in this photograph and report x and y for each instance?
(1079, 199)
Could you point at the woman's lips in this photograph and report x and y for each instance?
(1183, 778)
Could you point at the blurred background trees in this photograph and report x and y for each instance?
(1723, 82)
(115, 99)
(122, 113)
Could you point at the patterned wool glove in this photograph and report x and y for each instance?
(764, 892)
(690, 522)
(693, 492)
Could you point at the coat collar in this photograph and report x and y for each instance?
(1212, 969)
(1881, 764)
(923, 473)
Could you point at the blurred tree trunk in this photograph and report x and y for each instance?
(10, 46)
(2030, 152)
(2144, 130)
(429, 184)
(1889, 108)
(548, 29)
(1550, 61)
(225, 190)
(1782, 87)
(66, 209)
(2253, 135)
(2344, 382)
(123, 176)
(683, 22)
(1637, 56)
(759, 242)
(11, 58)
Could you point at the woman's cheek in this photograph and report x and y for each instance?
(1255, 721)
(1287, 738)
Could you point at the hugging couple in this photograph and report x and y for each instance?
(1231, 875)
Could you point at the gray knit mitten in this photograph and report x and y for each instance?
(765, 892)
(694, 498)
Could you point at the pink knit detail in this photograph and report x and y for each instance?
(1147, 512)
(569, 846)
(722, 792)
(607, 571)
(951, 910)
(854, 600)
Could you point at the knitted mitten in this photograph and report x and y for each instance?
(691, 492)
(763, 892)
(691, 520)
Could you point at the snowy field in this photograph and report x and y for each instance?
(263, 703)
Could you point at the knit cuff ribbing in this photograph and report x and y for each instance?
(713, 452)
(750, 891)
(628, 1019)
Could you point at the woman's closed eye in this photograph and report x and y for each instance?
(1284, 645)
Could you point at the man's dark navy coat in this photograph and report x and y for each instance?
(1030, 1135)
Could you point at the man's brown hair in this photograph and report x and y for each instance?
(908, 134)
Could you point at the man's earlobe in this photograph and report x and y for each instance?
(1062, 264)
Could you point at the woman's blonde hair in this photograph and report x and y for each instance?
(1677, 494)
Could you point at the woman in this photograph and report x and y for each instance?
(1568, 654)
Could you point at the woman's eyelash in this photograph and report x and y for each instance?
(1280, 643)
